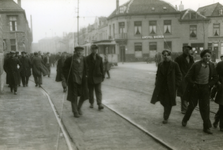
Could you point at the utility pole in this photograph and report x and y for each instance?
(77, 22)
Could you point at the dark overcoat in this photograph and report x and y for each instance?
(13, 65)
(38, 67)
(219, 96)
(95, 69)
(60, 65)
(184, 66)
(192, 75)
(26, 66)
(173, 77)
(67, 72)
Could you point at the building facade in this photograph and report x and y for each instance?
(2, 74)
(17, 35)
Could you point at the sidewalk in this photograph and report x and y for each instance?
(27, 121)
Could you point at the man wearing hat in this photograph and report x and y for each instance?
(13, 66)
(201, 76)
(74, 70)
(185, 61)
(37, 65)
(25, 71)
(95, 76)
(47, 62)
(168, 78)
(60, 76)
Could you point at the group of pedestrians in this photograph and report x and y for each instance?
(192, 82)
(83, 77)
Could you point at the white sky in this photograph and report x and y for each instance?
(53, 17)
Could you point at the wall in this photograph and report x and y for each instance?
(2, 73)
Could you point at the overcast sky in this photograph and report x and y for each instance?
(53, 17)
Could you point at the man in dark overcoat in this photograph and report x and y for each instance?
(168, 78)
(219, 95)
(25, 71)
(7, 56)
(95, 76)
(74, 70)
(60, 76)
(13, 66)
(185, 61)
(47, 62)
(37, 64)
(201, 76)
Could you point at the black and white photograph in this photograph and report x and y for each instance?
(111, 74)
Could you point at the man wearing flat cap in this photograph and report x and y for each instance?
(74, 70)
(201, 76)
(13, 66)
(185, 61)
(25, 71)
(95, 76)
(168, 78)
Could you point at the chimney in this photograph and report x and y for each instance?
(181, 6)
(19, 3)
(117, 4)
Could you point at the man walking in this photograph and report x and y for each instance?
(47, 62)
(25, 71)
(37, 69)
(95, 76)
(201, 76)
(12, 65)
(74, 70)
(185, 61)
(60, 76)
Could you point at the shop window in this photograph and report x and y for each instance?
(152, 27)
(121, 27)
(168, 45)
(13, 23)
(138, 27)
(193, 31)
(138, 46)
(216, 29)
(13, 44)
(152, 46)
(167, 26)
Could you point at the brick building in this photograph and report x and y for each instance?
(16, 34)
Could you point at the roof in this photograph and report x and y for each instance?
(136, 7)
(190, 15)
(9, 5)
(210, 10)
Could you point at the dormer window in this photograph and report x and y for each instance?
(221, 12)
(216, 29)
(13, 23)
(164, 8)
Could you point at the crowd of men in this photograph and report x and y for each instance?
(194, 82)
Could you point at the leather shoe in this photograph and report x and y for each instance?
(183, 112)
(100, 107)
(91, 106)
(80, 112)
(184, 123)
(164, 121)
(208, 131)
(76, 115)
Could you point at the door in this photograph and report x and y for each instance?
(122, 53)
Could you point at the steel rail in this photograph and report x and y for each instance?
(157, 139)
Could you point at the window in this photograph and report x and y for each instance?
(167, 26)
(138, 27)
(168, 45)
(193, 31)
(152, 46)
(121, 27)
(13, 23)
(4, 44)
(152, 27)
(113, 30)
(216, 29)
(109, 30)
(13, 44)
(138, 46)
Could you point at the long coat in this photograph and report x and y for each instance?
(26, 67)
(67, 72)
(192, 75)
(184, 68)
(38, 67)
(60, 65)
(95, 69)
(12, 66)
(219, 96)
(173, 78)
